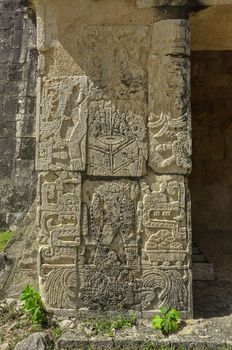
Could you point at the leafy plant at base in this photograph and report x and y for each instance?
(149, 345)
(57, 332)
(168, 321)
(108, 326)
(32, 304)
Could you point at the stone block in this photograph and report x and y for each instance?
(7, 147)
(7, 129)
(11, 106)
(3, 72)
(5, 23)
(7, 13)
(27, 149)
(17, 37)
(15, 72)
(5, 55)
(6, 166)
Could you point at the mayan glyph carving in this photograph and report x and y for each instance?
(169, 123)
(166, 249)
(117, 140)
(59, 220)
(114, 149)
(111, 262)
(62, 123)
(168, 288)
(170, 142)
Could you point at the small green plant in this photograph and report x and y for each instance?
(57, 332)
(33, 305)
(5, 236)
(168, 321)
(108, 326)
(149, 345)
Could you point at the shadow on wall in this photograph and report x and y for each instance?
(211, 178)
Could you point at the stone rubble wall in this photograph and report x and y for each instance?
(18, 62)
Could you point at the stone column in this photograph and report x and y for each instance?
(167, 221)
(113, 151)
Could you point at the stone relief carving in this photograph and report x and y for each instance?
(169, 124)
(111, 262)
(59, 220)
(114, 233)
(165, 246)
(170, 143)
(117, 144)
(62, 124)
(165, 222)
(164, 288)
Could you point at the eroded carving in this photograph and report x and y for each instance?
(111, 256)
(62, 124)
(170, 143)
(169, 124)
(60, 236)
(117, 144)
(165, 222)
(164, 288)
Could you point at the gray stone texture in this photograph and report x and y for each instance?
(36, 341)
(18, 61)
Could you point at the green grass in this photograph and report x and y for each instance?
(5, 236)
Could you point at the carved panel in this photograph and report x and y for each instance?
(111, 262)
(166, 238)
(169, 124)
(170, 288)
(114, 240)
(117, 140)
(60, 236)
(62, 124)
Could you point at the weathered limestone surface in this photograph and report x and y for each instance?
(113, 152)
(18, 60)
(169, 123)
(22, 251)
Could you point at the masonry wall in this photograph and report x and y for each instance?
(211, 179)
(18, 57)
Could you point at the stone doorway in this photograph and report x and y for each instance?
(211, 178)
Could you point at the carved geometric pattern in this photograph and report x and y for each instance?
(117, 143)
